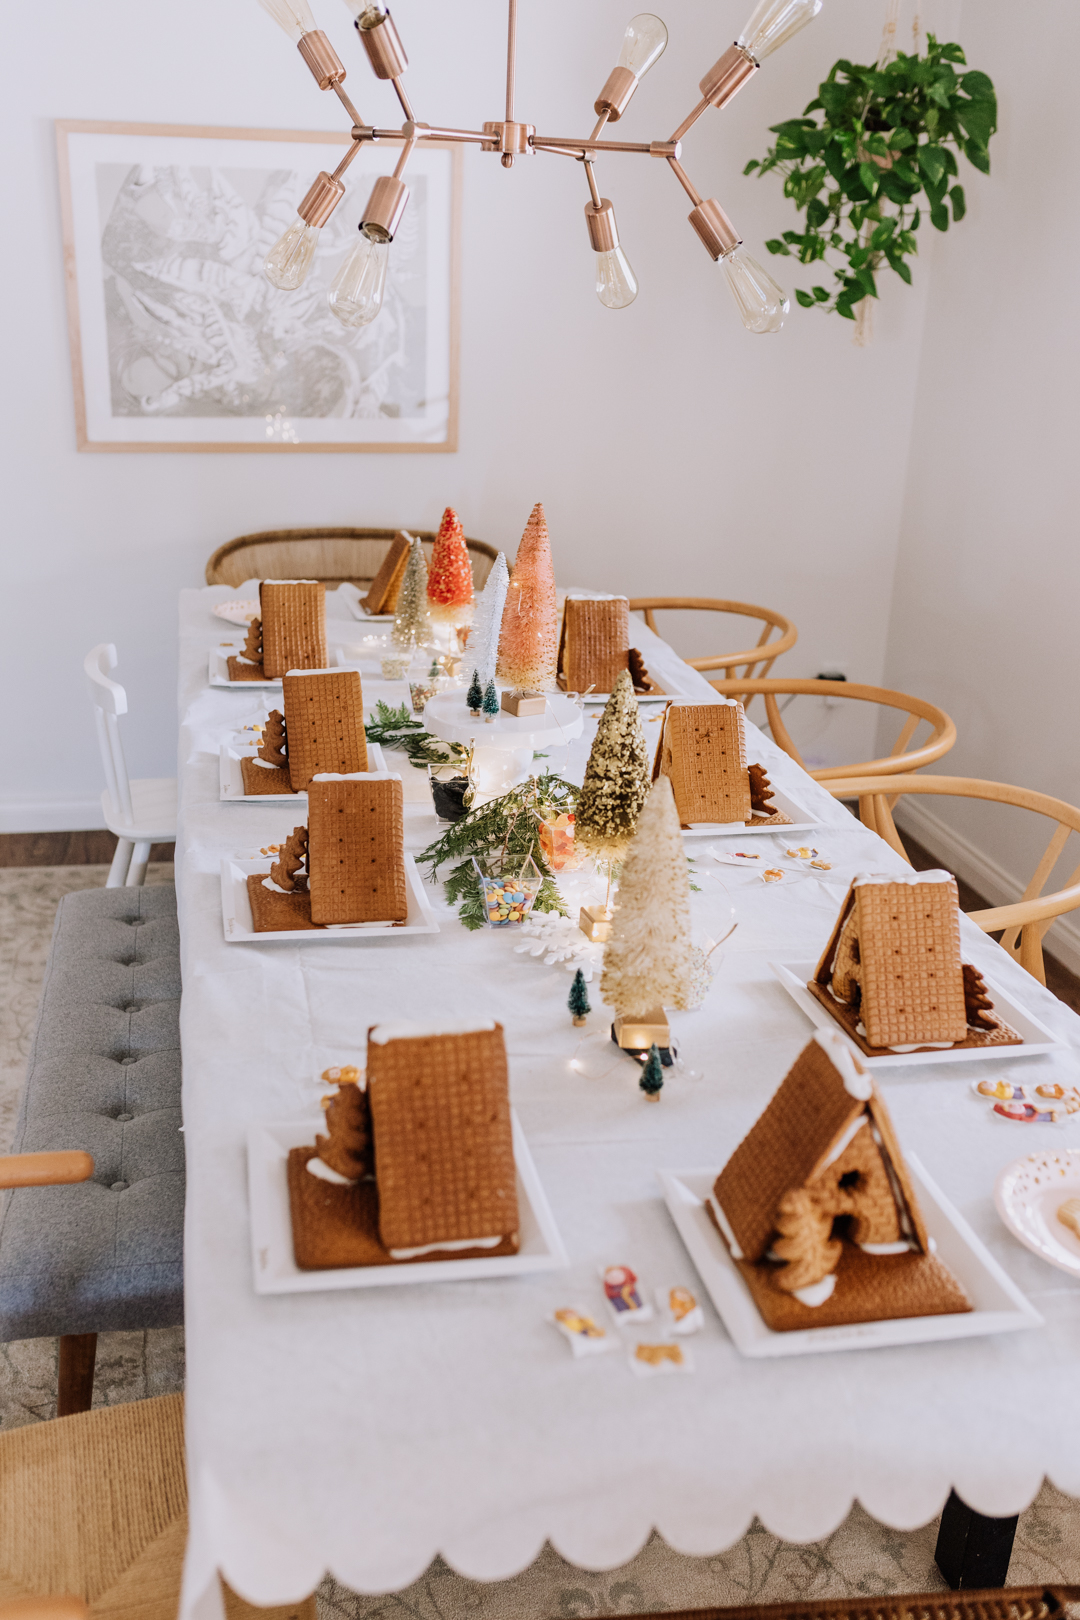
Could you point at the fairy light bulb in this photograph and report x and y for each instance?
(643, 43)
(356, 292)
(294, 16)
(762, 305)
(616, 284)
(773, 22)
(289, 260)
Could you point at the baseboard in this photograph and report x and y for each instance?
(50, 815)
(983, 873)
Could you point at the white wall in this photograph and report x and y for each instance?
(674, 452)
(984, 617)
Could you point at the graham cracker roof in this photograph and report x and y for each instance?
(444, 1154)
(324, 724)
(356, 863)
(293, 613)
(794, 1137)
(383, 591)
(702, 750)
(909, 964)
(595, 642)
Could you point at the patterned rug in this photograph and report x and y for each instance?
(861, 1558)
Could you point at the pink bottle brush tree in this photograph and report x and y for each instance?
(450, 582)
(529, 639)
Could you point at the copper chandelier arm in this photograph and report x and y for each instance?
(691, 118)
(511, 58)
(404, 100)
(591, 178)
(339, 91)
(685, 181)
(354, 147)
(665, 149)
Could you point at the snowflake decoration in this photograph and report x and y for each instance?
(559, 939)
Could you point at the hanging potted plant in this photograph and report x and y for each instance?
(874, 151)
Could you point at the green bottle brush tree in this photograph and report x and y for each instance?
(881, 150)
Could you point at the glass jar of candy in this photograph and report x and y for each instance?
(507, 890)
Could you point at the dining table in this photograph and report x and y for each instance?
(364, 1431)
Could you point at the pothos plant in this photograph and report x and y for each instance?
(881, 151)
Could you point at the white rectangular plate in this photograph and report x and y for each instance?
(219, 674)
(1000, 1307)
(350, 596)
(642, 697)
(801, 821)
(794, 977)
(239, 929)
(231, 780)
(276, 1272)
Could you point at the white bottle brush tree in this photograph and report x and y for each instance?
(647, 962)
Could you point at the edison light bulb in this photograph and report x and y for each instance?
(356, 292)
(289, 260)
(292, 15)
(774, 21)
(616, 284)
(643, 43)
(761, 303)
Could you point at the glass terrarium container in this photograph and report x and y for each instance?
(394, 666)
(508, 890)
(557, 841)
(449, 791)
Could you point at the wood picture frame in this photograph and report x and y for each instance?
(180, 344)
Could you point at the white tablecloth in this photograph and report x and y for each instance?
(364, 1432)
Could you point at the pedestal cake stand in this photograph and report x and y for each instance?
(503, 748)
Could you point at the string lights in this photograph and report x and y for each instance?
(356, 294)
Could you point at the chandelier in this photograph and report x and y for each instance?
(356, 292)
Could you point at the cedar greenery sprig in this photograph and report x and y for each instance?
(509, 825)
(396, 728)
(886, 137)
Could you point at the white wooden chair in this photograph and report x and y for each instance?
(140, 813)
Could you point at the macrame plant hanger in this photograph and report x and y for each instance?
(864, 309)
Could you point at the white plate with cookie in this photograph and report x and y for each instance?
(540, 1247)
(1038, 1198)
(998, 1305)
(231, 778)
(1035, 1037)
(799, 820)
(240, 927)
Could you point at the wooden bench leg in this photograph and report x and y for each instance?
(972, 1550)
(75, 1390)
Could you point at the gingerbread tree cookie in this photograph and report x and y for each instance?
(529, 638)
(348, 1148)
(289, 871)
(274, 747)
(252, 648)
(450, 582)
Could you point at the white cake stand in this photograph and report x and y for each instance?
(503, 748)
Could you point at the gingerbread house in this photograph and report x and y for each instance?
(293, 614)
(892, 975)
(347, 866)
(322, 729)
(385, 588)
(427, 1156)
(817, 1206)
(594, 643)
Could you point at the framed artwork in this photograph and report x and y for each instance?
(179, 342)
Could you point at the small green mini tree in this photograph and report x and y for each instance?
(578, 1000)
(652, 1075)
(475, 696)
(491, 701)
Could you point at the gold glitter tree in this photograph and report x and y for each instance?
(412, 624)
(616, 781)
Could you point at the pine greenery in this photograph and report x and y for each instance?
(396, 728)
(616, 778)
(510, 826)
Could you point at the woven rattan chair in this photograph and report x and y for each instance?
(763, 653)
(332, 555)
(898, 762)
(1011, 1603)
(1026, 920)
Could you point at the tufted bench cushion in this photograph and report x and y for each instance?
(104, 1076)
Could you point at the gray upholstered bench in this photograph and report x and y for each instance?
(103, 1076)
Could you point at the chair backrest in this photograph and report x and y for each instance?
(763, 654)
(899, 760)
(109, 700)
(1027, 919)
(331, 555)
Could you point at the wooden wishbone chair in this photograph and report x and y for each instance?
(898, 761)
(1027, 919)
(764, 652)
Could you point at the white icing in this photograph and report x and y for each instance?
(712, 703)
(458, 1243)
(920, 1046)
(572, 596)
(855, 1078)
(338, 671)
(404, 1029)
(725, 1226)
(358, 776)
(264, 764)
(290, 582)
(268, 883)
(317, 1168)
(901, 1247)
(817, 1293)
(910, 878)
(849, 1134)
(719, 823)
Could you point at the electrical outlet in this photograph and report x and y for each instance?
(831, 674)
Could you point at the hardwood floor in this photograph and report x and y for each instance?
(94, 848)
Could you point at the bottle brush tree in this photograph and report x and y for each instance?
(490, 704)
(616, 781)
(648, 959)
(652, 1075)
(475, 695)
(873, 152)
(578, 999)
(412, 625)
